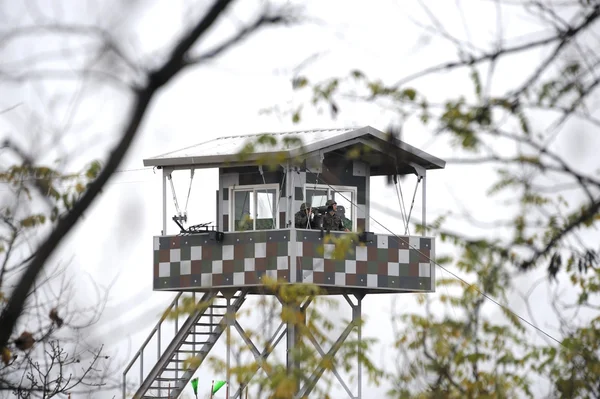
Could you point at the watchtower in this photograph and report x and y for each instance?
(255, 236)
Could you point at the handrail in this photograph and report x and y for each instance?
(155, 330)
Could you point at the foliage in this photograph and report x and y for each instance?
(469, 351)
(46, 357)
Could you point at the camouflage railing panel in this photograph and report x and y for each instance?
(389, 262)
(241, 259)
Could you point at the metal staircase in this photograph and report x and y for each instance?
(195, 338)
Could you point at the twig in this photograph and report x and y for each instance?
(157, 79)
(489, 56)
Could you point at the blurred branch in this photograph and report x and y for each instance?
(71, 29)
(586, 215)
(5, 110)
(60, 74)
(143, 98)
(265, 19)
(562, 35)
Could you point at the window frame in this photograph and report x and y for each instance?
(330, 188)
(254, 188)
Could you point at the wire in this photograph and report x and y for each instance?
(80, 174)
(505, 307)
(412, 205)
(486, 296)
(401, 203)
(189, 191)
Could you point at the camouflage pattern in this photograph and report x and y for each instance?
(332, 222)
(386, 264)
(302, 221)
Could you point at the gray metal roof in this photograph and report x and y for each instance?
(225, 150)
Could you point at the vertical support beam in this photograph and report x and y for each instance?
(292, 340)
(164, 202)
(292, 250)
(424, 204)
(218, 206)
(289, 184)
(368, 198)
(229, 320)
(358, 310)
(292, 247)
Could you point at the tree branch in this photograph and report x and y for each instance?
(157, 79)
(592, 210)
(489, 56)
(263, 20)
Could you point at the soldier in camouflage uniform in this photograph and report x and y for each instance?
(304, 219)
(331, 220)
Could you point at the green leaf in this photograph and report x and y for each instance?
(477, 82)
(411, 94)
(299, 82)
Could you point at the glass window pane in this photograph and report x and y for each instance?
(265, 209)
(316, 197)
(243, 205)
(344, 200)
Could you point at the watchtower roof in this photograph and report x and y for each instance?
(225, 150)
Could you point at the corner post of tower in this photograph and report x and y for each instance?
(424, 203)
(228, 294)
(357, 319)
(166, 172)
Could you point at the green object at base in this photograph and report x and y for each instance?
(217, 386)
(195, 385)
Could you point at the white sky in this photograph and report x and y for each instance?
(114, 241)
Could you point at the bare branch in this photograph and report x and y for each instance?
(157, 79)
(489, 56)
(586, 215)
(264, 20)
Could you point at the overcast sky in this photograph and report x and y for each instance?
(114, 241)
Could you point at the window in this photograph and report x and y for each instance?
(316, 198)
(345, 197)
(254, 208)
(344, 200)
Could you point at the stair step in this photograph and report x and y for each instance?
(204, 334)
(195, 343)
(169, 379)
(162, 387)
(186, 351)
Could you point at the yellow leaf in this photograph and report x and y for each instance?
(6, 356)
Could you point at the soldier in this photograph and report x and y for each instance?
(304, 219)
(331, 220)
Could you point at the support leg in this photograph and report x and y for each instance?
(229, 321)
(358, 310)
(316, 375)
(424, 204)
(292, 345)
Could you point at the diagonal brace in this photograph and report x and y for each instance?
(312, 338)
(260, 357)
(316, 375)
